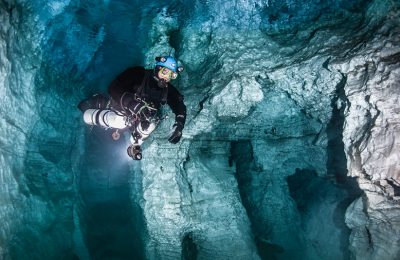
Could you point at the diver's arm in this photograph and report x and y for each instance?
(175, 102)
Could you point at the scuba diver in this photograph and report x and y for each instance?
(136, 95)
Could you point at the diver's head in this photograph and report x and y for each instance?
(166, 69)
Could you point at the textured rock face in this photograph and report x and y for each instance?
(291, 122)
(36, 154)
(200, 200)
(371, 140)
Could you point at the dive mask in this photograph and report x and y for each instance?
(168, 73)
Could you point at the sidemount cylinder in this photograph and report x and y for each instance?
(104, 118)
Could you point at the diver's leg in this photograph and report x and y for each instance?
(137, 137)
(142, 133)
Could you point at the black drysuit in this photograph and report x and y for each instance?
(139, 81)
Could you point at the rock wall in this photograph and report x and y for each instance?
(37, 183)
(291, 94)
(371, 134)
(43, 144)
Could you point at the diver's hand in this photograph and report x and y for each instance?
(177, 133)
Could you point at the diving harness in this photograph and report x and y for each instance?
(139, 116)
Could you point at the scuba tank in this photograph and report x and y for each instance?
(104, 118)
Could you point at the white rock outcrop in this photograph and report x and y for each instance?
(371, 137)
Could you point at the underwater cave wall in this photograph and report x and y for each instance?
(256, 164)
(42, 143)
(284, 84)
(371, 134)
(37, 145)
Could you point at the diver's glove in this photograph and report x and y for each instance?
(177, 133)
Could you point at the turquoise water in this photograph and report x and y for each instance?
(78, 47)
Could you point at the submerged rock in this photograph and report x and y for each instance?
(370, 131)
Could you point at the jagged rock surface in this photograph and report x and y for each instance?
(371, 137)
(281, 80)
(37, 151)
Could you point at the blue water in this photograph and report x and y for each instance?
(84, 45)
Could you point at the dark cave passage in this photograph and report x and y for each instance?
(321, 205)
(113, 224)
